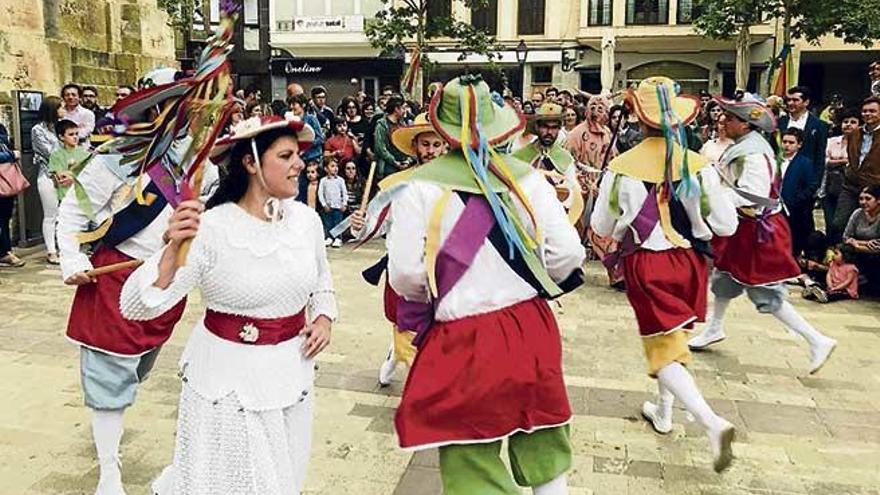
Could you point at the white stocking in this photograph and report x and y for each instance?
(793, 320)
(107, 431)
(677, 380)
(719, 307)
(556, 486)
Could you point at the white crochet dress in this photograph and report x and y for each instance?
(245, 417)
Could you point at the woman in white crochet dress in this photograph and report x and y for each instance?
(245, 418)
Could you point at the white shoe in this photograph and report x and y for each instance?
(651, 413)
(337, 243)
(720, 441)
(386, 371)
(820, 354)
(328, 241)
(110, 481)
(711, 335)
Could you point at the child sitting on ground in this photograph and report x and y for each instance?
(333, 197)
(841, 281)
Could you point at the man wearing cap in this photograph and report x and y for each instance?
(757, 259)
(662, 205)
(473, 275)
(421, 142)
(116, 354)
(545, 154)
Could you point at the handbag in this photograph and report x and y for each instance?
(12, 181)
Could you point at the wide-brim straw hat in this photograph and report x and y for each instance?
(403, 138)
(254, 126)
(469, 93)
(546, 112)
(750, 109)
(646, 102)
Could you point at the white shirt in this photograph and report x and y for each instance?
(721, 221)
(109, 193)
(489, 283)
(83, 118)
(250, 267)
(799, 123)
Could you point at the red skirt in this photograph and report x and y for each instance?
(751, 262)
(390, 299)
(666, 289)
(96, 322)
(485, 377)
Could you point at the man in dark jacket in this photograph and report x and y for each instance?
(863, 169)
(815, 131)
(799, 185)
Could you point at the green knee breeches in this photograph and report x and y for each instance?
(535, 458)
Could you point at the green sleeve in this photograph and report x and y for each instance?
(381, 144)
(57, 161)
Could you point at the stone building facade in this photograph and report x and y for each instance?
(103, 43)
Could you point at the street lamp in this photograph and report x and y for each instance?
(569, 59)
(521, 52)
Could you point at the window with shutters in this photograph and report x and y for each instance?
(647, 11)
(530, 17)
(486, 18)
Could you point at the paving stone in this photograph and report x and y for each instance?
(797, 434)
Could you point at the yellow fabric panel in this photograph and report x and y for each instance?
(647, 161)
(664, 349)
(432, 240)
(404, 350)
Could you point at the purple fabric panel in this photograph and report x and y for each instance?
(462, 244)
(455, 256)
(165, 183)
(648, 216)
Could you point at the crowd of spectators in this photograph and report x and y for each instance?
(829, 159)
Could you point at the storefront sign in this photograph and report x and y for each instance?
(301, 68)
(323, 24)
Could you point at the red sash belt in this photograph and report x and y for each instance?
(254, 331)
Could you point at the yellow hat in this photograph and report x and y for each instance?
(403, 137)
(646, 102)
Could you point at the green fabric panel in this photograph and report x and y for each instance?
(539, 457)
(614, 200)
(561, 158)
(452, 170)
(475, 469)
(705, 209)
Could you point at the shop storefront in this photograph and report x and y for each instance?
(340, 76)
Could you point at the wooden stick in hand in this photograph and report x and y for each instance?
(104, 270)
(368, 187)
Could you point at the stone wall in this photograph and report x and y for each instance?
(103, 43)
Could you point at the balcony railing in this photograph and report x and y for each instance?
(323, 24)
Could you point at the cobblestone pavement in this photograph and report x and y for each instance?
(797, 434)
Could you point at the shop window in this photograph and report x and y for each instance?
(530, 17)
(486, 17)
(688, 11)
(647, 12)
(591, 81)
(542, 74)
(692, 78)
(370, 86)
(601, 12)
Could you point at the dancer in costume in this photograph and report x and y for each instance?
(116, 354)
(477, 242)
(546, 154)
(757, 259)
(422, 142)
(129, 188)
(591, 145)
(662, 203)
(258, 256)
